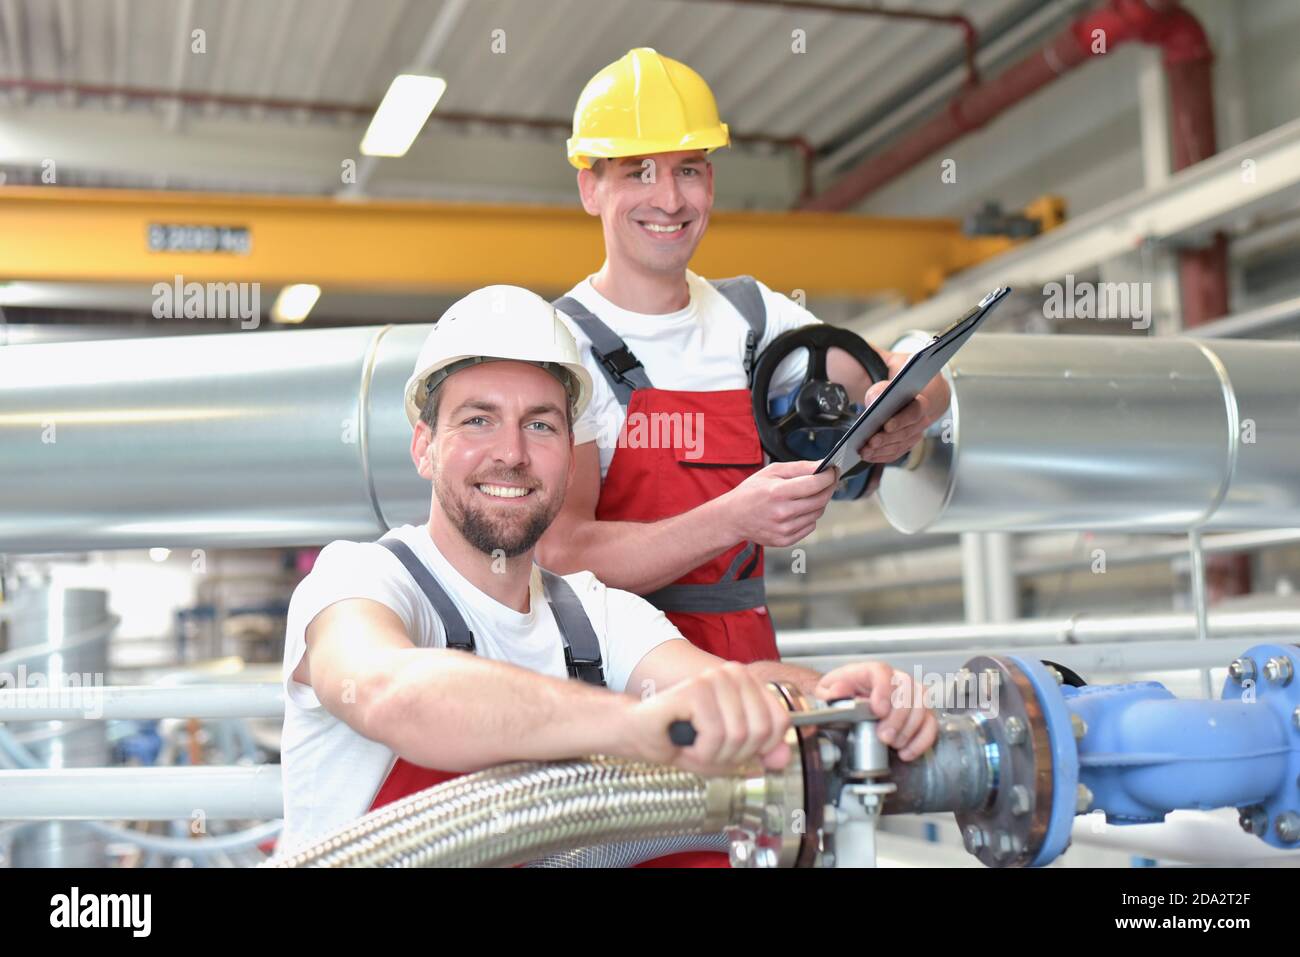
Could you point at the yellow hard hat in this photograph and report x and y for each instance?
(644, 103)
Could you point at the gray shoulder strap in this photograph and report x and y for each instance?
(458, 633)
(581, 647)
(743, 293)
(622, 369)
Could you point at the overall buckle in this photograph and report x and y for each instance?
(585, 669)
(619, 362)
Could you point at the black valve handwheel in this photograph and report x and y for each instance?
(820, 408)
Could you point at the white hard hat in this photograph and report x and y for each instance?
(492, 323)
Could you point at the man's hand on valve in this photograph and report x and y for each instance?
(905, 724)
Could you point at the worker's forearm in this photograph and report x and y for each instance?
(641, 557)
(458, 712)
(805, 679)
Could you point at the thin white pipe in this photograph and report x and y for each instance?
(1000, 577)
(975, 596)
(142, 702)
(1089, 660)
(190, 846)
(154, 843)
(142, 794)
(1075, 630)
(1200, 600)
(939, 565)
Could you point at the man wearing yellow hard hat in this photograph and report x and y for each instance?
(671, 499)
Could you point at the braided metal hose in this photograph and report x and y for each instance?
(632, 853)
(518, 812)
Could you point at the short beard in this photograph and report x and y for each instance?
(480, 531)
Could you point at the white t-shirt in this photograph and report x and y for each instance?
(698, 349)
(331, 772)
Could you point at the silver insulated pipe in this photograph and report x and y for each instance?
(239, 439)
(1108, 432)
(299, 437)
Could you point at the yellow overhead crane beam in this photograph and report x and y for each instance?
(88, 235)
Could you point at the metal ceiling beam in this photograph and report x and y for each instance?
(121, 48)
(11, 16)
(970, 36)
(73, 235)
(180, 57)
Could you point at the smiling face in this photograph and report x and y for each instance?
(653, 209)
(500, 457)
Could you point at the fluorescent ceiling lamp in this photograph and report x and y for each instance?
(402, 114)
(294, 302)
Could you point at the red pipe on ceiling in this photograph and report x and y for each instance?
(1188, 61)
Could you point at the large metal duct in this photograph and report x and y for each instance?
(299, 438)
(253, 439)
(1108, 432)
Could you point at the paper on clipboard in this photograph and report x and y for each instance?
(923, 366)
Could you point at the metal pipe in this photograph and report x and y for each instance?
(1113, 658)
(970, 36)
(265, 439)
(1000, 577)
(1188, 62)
(1146, 753)
(61, 636)
(1109, 433)
(191, 847)
(141, 794)
(1074, 630)
(142, 703)
(1200, 600)
(518, 812)
(956, 774)
(988, 577)
(939, 565)
(975, 598)
(15, 755)
(1120, 21)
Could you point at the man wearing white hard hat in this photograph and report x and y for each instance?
(442, 648)
(684, 526)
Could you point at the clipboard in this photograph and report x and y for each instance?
(923, 366)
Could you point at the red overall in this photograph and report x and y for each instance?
(647, 484)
